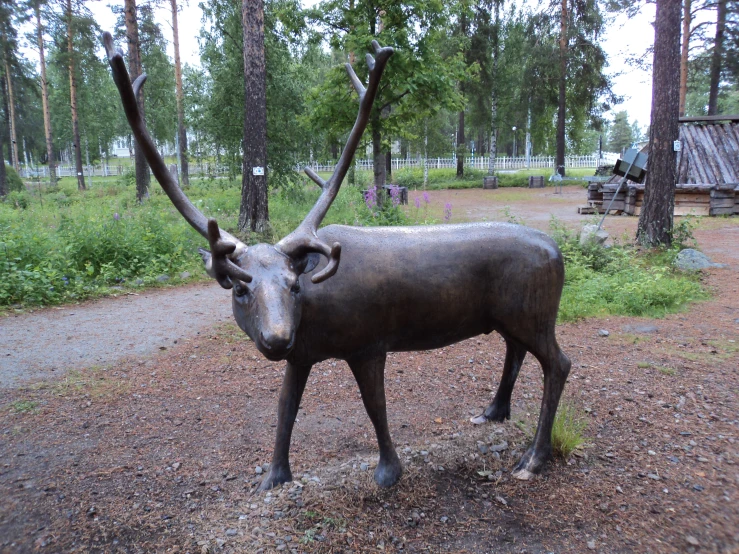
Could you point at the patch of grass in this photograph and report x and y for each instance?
(230, 333)
(628, 338)
(619, 280)
(24, 407)
(667, 370)
(567, 431)
(643, 365)
(92, 382)
(727, 346)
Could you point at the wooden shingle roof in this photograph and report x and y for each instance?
(710, 154)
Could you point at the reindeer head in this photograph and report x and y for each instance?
(265, 279)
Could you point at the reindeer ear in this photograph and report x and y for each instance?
(311, 261)
(206, 257)
(208, 261)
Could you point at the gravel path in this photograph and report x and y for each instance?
(48, 342)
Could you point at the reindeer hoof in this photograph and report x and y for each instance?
(387, 474)
(275, 478)
(522, 474)
(530, 464)
(497, 411)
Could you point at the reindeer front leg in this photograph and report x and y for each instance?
(370, 376)
(293, 386)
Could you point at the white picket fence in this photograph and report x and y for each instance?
(481, 162)
(477, 162)
(108, 170)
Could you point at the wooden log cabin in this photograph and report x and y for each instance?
(707, 173)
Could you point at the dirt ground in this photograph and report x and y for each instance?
(162, 452)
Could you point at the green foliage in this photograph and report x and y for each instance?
(68, 245)
(682, 233)
(100, 114)
(18, 200)
(420, 80)
(412, 177)
(69, 249)
(619, 280)
(567, 431)
(621, 133)
(215, 99)
(12, 180)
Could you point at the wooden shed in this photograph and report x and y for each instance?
(707, 172)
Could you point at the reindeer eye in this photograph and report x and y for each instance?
(240, 289)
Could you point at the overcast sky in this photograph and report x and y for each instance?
(624, 38)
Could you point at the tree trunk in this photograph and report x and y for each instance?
(6, 122)
(254, 212)
(687, 16)
(655, 221)
(13, 136)
(134, 68)
(45, 99)
(378, 159)
(73, 102)
(494, 104)
(559, 159)
(718, 46)
(460, 145)
(389, 165)
(460, 128)
(3, 176)
(494, 100)
(181, 132)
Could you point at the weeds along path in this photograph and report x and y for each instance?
(53, 341)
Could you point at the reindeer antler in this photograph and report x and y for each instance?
(217, 262)
(224, 245)
(303, 239)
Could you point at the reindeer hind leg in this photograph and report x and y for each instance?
(556, 367)
(499, 408)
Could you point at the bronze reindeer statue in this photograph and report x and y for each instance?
(357, 293)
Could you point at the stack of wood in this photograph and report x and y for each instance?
(595, 199)
(690, 199)
(724, 201)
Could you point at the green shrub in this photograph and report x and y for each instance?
(618, 280)
(17, 199)
(61, 250)
(13, 181)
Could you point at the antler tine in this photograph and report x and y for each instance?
(138, 83)
(303, 238)
(128, 93)
(315, 177)
(217, 262)
(358, 86)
